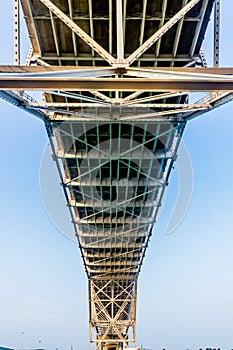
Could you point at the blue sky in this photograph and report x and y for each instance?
(185, 295)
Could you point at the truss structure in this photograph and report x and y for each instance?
(117, 78)
(113, 310)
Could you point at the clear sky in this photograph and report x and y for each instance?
(185, 297)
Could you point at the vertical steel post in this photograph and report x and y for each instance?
(16, 33)
(216, 32)
(120, 39)
(90, 312)
(110, 27)
(112, 301)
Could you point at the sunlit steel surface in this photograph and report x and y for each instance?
(115, 123)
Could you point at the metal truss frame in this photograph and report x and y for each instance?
(113, 278)
(120, 49)
(217, 83)
(121, 22)
(161, 31)
(78, 30)
(110, 302)
(134, 102)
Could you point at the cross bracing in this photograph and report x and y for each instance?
(114, 189)
(95, 24)
(117, 78)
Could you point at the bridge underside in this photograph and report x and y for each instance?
(114, 146)
(55, 43)
(115, 175)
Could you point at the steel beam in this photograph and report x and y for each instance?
(22, 101)
(91, 24)
(142, 31)
(151, 98)
(79, 97)
(32, 28)
(16, 33)
(54, 30)
(81, 33)
(178, 33)
(90, 71)
(137, 105)
(120, 38)
(113, 84)
(198, 28)
(146, 58)
(216, 32)
(112, 245)
(161, 24)
(74, 38)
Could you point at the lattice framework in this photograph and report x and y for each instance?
(115, 127)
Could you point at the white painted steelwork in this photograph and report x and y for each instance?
(116, 78)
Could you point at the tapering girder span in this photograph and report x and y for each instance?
(114, 176)
(113, 249)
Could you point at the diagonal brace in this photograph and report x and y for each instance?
(78, 30)
(160, 32)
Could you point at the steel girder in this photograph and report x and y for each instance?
(164, 84)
